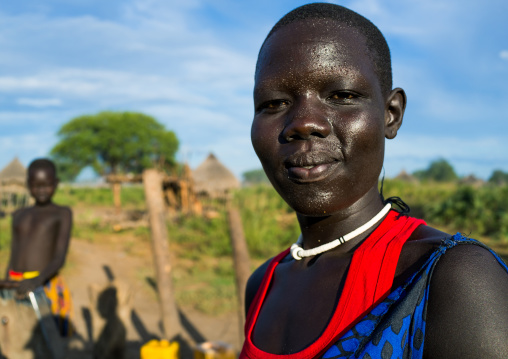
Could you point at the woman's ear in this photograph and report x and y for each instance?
(394, 111)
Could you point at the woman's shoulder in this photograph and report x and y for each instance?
(258, 275)
(462, 253)
(468, 302)
(254, 283)
(467, 309)
(417, 250)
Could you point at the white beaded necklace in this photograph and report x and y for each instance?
(298, 252)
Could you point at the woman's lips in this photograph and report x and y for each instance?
(310, 173)
(310, 166)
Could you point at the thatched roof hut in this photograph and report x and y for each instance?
(13, 191)
(472, 180)
(211, 177)
(13, 174)
(406, 177)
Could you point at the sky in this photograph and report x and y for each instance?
(190, 64)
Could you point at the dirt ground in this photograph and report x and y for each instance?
(90, 264)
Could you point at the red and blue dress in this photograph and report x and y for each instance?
(370, 320)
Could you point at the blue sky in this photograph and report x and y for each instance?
(190, 64)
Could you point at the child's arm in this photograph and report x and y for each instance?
(8, 265)
(8, 284)
(13, 242)
(61, 246)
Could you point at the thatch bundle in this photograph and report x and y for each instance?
(13, 192)
(213, 178)
(13, 174)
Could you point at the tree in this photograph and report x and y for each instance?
(112, 143)
(499, 177)
(439, 171)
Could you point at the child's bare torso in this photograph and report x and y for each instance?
(35, 233)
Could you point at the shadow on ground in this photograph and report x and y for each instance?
(42, 341)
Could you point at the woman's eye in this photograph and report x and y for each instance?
(273, 105)
(343, 96)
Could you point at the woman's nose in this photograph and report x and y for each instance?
(306, 119)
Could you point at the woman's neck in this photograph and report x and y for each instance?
(317, 231)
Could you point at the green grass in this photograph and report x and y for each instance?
(208, 286)
(131, 196)
(5, 232)
(269, 224)
(203, 268)
(87, 225)
(200, 236)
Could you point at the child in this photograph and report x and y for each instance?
(357, 283)
(40, 239)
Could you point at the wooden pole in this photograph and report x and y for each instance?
(241, 259)
(152, 181)
(117, 193)
(184, 196)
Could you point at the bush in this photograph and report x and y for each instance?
(270, 225)
(476, 211)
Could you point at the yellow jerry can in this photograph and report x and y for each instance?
(214, 350)
(160, 349)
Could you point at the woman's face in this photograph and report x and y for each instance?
(319, 122)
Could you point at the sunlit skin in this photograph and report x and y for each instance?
(42, 185)
(320, 124)
(40, 234)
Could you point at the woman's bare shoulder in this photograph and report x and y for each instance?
(468, 305)
(254, 283)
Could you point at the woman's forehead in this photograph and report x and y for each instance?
(319, 43)
(315, 46)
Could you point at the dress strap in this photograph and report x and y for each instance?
(372, 270)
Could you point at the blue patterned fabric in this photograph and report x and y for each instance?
(396, 327)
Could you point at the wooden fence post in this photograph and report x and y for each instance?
(241, 259)
(152, 181)
(117, 196)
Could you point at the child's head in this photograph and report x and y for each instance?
(323, 108)
(42, 180)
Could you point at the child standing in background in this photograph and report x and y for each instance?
(40, 239)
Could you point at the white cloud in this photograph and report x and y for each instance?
(102, 86)
(39, 102)
(411, 19)
(156, 56)
(26, 147)
(24, 117)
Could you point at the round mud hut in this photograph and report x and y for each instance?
(13, 191)
(213, 179)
